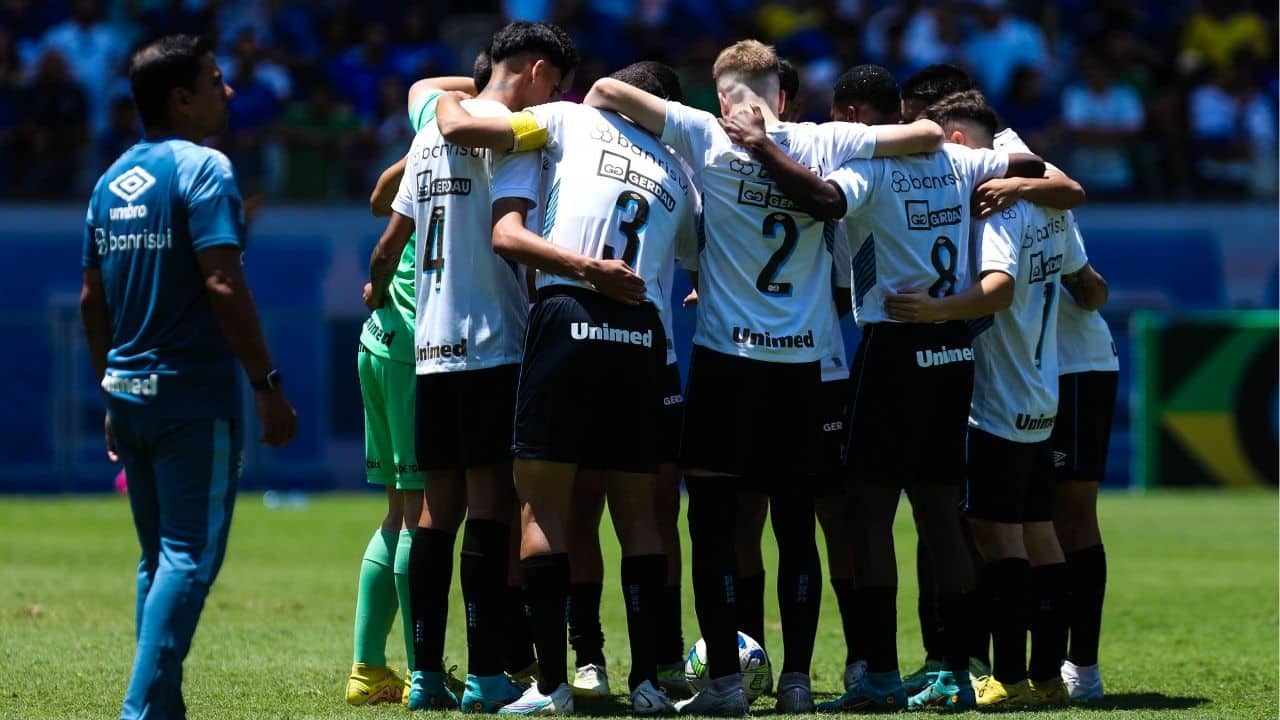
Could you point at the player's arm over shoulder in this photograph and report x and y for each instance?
(518, 132)
(425, 86)
(646, 110)
(915, 137)
(1087, 287)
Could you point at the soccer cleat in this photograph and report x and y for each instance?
(533, 702)
(922, 678)
(649, 700)
(978, 668)
(451, 681)
(1084, 682)
(591, 681)
(488, 693)
(428, 691)
(794, 694)
(1049, 693)
(673, 682)
(874, 692)
(373, 685)
(723, 697)
(990, 692)
(525, 676)
(853, 672)
(947, 692)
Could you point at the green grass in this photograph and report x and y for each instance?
(1190, 628)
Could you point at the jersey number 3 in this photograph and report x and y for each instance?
(630, 229)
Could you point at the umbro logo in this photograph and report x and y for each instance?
(132, 184)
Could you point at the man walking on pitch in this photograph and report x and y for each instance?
(166, 315)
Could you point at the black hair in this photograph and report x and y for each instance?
(159, 68)
(969, 105)
(936, 82)
(653, 77)
(788, 79)
(482, 70)
(869, 84)
(545, 39)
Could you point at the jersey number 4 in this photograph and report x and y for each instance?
(433, 253)
(630, 203)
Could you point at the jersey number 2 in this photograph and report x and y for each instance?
(767, 281)
(632, 228)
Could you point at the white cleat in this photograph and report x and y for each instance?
(649, 700)
(591, 681)
(723, 697)
(1084, 682)
(853, 673)
(533, 702)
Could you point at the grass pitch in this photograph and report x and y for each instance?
(1190, 628)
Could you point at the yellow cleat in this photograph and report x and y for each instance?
(1049, 693)
(991, 692)
(374, 684)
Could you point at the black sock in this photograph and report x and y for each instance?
(980, 631)
(483, 571)
(956, 612)
(517, 653)
(546, 587)
(1048, 621)
(799, 577)
(845, 599)
(643, 579)
(430, 574)
(1087, 578)
(1008, 583)
(878, 611)
(585, 634)
(927, 609)
(712, 515)
(671, 645)
(751, 606)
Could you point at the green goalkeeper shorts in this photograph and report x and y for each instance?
(389, 388)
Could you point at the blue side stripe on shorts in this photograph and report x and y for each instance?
(219, 481)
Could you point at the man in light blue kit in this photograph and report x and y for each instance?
(166, 314)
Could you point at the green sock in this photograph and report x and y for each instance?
(375, 600)
(402, 592)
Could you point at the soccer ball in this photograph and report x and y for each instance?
(752, 660)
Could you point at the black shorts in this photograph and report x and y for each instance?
(1082, 434)
(746, 417)
(462, 419)
(1009, 482)
(591, 383)
(909, 404)
(672, 413)
(835, 435)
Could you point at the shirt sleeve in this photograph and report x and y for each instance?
(93, 230)
(215, 215)
(1074, 256)
(407, 195)
(982, 164)
(847, 141)
(689, 239)
(854, 180)
(689, 132)
(517, 175)
(999, 239)
(424, 109)
(841, 257)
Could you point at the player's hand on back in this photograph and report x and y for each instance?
(371, 302)
(616, 280)
(745, 127)
(995, 195)
(911, 305)
(691, 298)
(278, 418)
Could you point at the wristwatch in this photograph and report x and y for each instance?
(272, 381)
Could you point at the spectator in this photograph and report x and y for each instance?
(1032, 110)
(414, 54)
(931, 35)
(1233, 129)
(98, 49)
(1103, 119)
(1222, 28)
(355, 73)
(250, 140)
(247, 50)
(122, 132)
(318, 136)
(999, 45)
(173, 17)
(393, 133)
(51, 130)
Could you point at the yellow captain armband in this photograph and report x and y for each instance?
(528, 134)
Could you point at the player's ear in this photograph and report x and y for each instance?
(957, 137)
(781, 104)
(725, 103)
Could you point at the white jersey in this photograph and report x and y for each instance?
(834, 363)
(1015, 381)
(764, 281)
(1084, 340)
(609, 190)
(472, 305)
(908, 220)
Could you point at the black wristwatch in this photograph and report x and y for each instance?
(272, 381)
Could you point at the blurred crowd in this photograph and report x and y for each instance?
(1138, 99)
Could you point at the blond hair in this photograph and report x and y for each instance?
(748, 63)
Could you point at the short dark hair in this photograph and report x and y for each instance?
(869, 84)
(969, 105)
(936, 82)
(545, 39)
(653, 77)
(482, 70)
(159, 68)
(788, 79)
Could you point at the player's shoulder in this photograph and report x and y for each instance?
(195, 158)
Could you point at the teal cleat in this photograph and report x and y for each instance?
(873, 693)
(488, 693)
(922, 678)
(949, 691)
(427, 691)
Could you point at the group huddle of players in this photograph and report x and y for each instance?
(517, 370)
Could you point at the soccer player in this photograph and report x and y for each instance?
(166, 315)
(763, 320)
(471, 313)
(905, 215)
(930, 85)
(387, 385)
(1088, 373)
(591, 381)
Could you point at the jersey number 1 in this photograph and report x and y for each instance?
(1049, 296)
